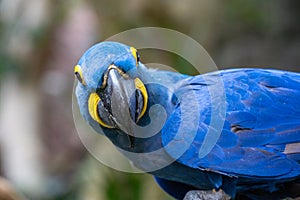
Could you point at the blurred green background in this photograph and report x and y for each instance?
(41, 41)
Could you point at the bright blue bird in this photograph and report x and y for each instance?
(167, 123)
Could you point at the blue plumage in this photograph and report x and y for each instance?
(257, 152)
(263, 114)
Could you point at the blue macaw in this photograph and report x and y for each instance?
(166, 118)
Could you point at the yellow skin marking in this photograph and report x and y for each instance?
(140, 86)
(93, 109)
(78, 74)
(135, 55)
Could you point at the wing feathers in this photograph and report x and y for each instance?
(261, 134)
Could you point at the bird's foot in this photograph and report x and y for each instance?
(206, 195)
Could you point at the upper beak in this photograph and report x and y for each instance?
(122, 99)
(122, 91)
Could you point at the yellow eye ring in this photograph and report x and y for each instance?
(78, 74)
(135, 54)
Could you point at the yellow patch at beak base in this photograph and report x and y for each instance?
(140, 86)
(93, 109)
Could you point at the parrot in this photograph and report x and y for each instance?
(235, 130)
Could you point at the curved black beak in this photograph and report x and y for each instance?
(121, 99)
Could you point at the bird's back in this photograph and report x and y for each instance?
(259, 144)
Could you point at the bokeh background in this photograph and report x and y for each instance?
(41, 155)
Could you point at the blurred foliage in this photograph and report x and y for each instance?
(42, 40)
(131, 184)
(251, 15)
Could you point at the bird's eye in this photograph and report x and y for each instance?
(135, 54)
(78, 74)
